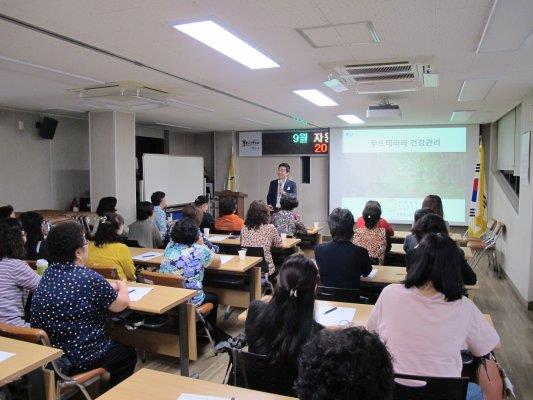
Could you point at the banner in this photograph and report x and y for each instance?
(477, 224)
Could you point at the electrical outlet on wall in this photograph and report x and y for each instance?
(21, 125)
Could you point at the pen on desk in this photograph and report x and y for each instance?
(131, 290)
(330, 310)
(147, 255)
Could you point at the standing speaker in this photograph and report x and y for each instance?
(47, 128)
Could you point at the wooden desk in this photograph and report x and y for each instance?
(235, 266)
(28, 358)
(397, 248)
(155, 385)
(288, 243)
(399, 237)
(390, 274)
(160, 300)
(313, 230)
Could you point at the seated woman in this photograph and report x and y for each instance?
(143, 230)
(159, 202)
(432, 223)
(196, 214)
(434, 202)
(108, 249)
(356, 363)
(426, 321)
(410, 240)
(228, 221)
(187, 256)
(72, 303)
(16, 276)
(280, 327)
(106, 205)
(371, 236)
(382, 222)
(340, 261)
(259, 232)
(35, 228)
(202, 203)
(286, 220)
(7, 212)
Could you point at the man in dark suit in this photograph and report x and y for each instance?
(280, 186)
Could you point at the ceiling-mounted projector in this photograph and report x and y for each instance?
(384, 110)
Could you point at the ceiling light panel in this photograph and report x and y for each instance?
(334, 35)
(476, 89)
(351, 118)
(461, 116)
(213, 35)
(316, 97)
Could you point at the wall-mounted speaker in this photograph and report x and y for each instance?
(47, 128)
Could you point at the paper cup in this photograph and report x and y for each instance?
(242, 254)
(283, 236)
(315, 225)
(206, 231)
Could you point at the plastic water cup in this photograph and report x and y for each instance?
(283, 236)
(206, 231)
(315, 225)
(41, 266)
(242, 254)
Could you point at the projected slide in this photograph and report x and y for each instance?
(400, 166)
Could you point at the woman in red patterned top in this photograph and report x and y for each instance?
(382, 223)
(371, 236)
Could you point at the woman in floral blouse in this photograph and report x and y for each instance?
(371, 236)
(286, 220)
(259, 232)
(187, 256)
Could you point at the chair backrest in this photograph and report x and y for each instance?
(132, 243)
(338, 294)
(257, 252)
(253, 371)
(155, 278)
(107, 272)
(433, 389)
(30, 335)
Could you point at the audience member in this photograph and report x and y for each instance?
(106, 205)
(196, 214)
(382, 222)
(340, 261)
(432, 223)
(159, 202)
(16, 276)
(286, 220)
(259, 232)
(71, 305)
(35, 228)
(434, 202)
(144, 230)
(371, 236)
(202, 202)
(280, 327)
(228, 220)
(410, 240)
(187, 256)
(348, 364)
(426, 321)
(7, 212)
(108, 249)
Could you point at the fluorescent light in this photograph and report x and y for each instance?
(351, 119)
(216, 37)
(475, 89)
(316, 97)
(336, 85)
(461, 116)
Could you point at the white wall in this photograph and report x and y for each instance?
(194, 144)
(516, 247)
(37, 173)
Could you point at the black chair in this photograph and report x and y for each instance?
(434, 388)
(340, 294)
(253, 371)
(131, 243)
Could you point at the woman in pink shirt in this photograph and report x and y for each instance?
(426, 321)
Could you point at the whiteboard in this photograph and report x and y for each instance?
(181, 178)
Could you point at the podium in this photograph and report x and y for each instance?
(239, 198)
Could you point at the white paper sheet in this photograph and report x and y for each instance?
(137, 293)
(372, 273)
(147, 256)
(187, 396)
(4, 355)
(217, 238)
(225, 258)
(340, 316)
